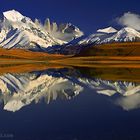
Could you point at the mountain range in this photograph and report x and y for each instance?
(20, 32)
(110, 35)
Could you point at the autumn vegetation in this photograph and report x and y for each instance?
(116, 55)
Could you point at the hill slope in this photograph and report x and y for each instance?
(114, 49)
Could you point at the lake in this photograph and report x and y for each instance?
(70, 104)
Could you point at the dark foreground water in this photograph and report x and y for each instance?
(67, 104)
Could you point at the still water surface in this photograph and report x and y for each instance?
(69, 104)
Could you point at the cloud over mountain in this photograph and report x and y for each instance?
(130, 19)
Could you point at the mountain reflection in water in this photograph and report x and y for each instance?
(21, 89)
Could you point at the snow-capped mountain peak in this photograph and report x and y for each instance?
(13, 15)
(19, 31)
(107, 30)
(103, 36)
(129, 31)
(126, 34)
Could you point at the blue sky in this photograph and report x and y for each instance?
(88, 15)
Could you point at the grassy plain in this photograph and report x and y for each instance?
(118, 61)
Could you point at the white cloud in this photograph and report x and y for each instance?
(130, 19)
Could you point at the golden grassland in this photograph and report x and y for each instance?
(114, 49)
(116, 52)
(116, 62)
(20, 61)
(108, 55)
(20, 54)
(101, 61)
